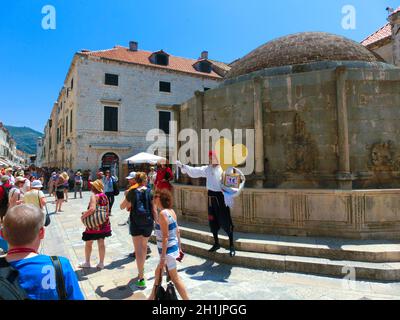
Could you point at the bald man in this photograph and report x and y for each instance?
(23, 230)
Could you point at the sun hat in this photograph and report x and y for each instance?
(20, 179)
(37, 184)
(98, 185)
(131, 176)
(64, 175)
(5, 178)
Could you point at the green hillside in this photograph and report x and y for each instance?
(25, 138)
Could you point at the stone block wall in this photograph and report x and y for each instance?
(361, 214)
(311, 139)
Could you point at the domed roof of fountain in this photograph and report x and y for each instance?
(302, 48)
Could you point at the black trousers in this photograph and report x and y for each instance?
(219, 214)
(111, 199)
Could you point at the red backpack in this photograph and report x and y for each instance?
(4, 201)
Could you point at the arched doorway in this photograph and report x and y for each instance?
(110, 161)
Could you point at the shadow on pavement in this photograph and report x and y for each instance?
(119, 264)
(217, 273)
(82, 273)
(122, 292)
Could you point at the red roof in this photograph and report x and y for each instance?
(140, 57)
(395, 11)
(382, 33)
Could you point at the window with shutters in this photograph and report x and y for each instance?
(66, 126)
(70, 122)
(164, 118)
(111, 79)
(110, 119)
(165, 86)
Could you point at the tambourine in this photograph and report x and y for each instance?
(233, 181)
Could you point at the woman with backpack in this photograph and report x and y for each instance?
(59, 187)
(141, 222)
(98, 202)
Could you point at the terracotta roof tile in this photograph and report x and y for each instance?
(141, 57)
(382, 33)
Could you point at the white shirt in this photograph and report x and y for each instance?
(27, 186)
(211, 173)
(12, 180)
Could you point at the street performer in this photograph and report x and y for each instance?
(219, 215)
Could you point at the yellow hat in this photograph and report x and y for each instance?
(64, 175)
(98, 185)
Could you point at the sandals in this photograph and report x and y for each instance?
(100, 266)
(84, 265)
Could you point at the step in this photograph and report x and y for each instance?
(298, 264)
(333, 249)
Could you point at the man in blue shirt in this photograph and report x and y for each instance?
(108, 182)
(23, 230)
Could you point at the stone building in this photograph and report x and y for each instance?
(109, 99)
(386, 40)
(325, 111)
(9, 155)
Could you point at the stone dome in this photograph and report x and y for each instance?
(302, 48)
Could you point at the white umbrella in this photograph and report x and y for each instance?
(144, 157)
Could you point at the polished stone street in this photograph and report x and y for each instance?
(204, 279)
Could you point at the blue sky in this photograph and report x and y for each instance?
(34, 61)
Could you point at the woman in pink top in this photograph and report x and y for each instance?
(97, 199)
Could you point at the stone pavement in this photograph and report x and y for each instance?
(204, 279)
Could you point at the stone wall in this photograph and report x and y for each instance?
(361, 214)
(335, 128)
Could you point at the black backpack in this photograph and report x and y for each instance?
(142, 203)
(115, 187)
(10, 288)
(9, 283)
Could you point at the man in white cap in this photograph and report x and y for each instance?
(131, 186)
(9, 173)
(16, 195)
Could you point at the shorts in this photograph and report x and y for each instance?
(170, 262)
(60, 195)
(137, 230)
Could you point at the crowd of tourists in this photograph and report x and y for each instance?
(24, 217)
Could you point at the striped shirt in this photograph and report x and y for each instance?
(173, 244)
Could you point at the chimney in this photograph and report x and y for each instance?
(133, 46)
(394, 20)
(204, 55)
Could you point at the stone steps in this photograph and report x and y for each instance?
(335, 249)
(367, 260)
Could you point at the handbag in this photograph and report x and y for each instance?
(168, 294)
(48, 220)
(115, 188)
(98, 218)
